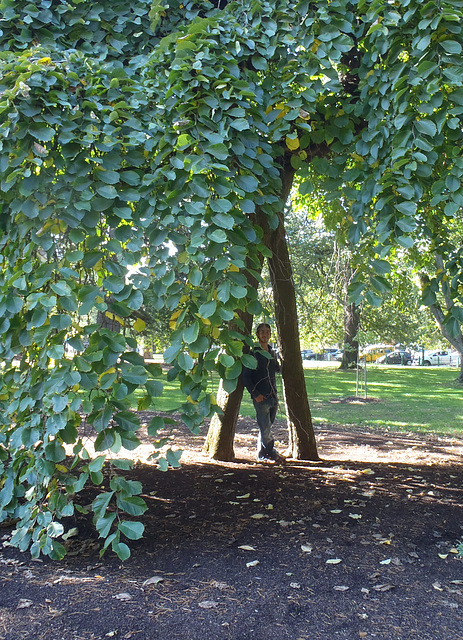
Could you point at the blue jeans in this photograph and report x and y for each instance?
(265, 414)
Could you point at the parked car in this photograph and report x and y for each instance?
(307, 354)
(327, 353)
(375, 351)
(395, 357)
(437, 357)
(337, 355)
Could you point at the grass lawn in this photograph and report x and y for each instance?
(410, 398)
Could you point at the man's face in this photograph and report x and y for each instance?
(263, 335)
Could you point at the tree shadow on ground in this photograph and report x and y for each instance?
(362, 544)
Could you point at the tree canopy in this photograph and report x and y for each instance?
(142, 146)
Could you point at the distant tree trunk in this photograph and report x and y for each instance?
(351, 325)
(439, 317)
(351, 345)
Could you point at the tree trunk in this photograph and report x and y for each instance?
(439, 317)
(302, 445)
(221, 433)
(351, 345)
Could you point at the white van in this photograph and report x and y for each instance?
(437, 357)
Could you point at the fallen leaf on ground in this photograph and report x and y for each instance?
(153, 580)
(71, 533)
(355, 516)
(123, 596)
(219, 585)
(246, 547)
(208, 604)
(258, 516)
(244, 496)
(334, 561)
(307, 548)
(24, 603)
(253, 563)
(341, 587)
(387, 561)
(384, 587)
(294, 585)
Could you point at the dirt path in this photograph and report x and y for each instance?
(362, 544)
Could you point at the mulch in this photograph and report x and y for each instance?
(362, 544)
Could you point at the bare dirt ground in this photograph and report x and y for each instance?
(363, 544)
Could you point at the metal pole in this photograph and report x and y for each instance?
(365, 380)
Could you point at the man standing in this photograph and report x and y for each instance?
(261, 384)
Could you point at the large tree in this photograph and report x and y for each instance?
(151, 146)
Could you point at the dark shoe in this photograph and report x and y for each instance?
(270, 454)
(266, 451)
(278, 458)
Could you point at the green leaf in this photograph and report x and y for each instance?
(427, 127)
(451, 46)
(221, 220)
(195, 277)
(247, 182)
(217, 235)
(226, 360)
(154, 387)
(220, 206)
(105, 440)
(121, 550)
(96, 464)
(172, 352)
(61, 288)
(207, 309)
(103, 524)
(240, 124)
(131, 530)
(156, 424)
(30, 208)
(133, 505)
(407, 207)
(185, 361)
(173, 458)
(55, 451)
(428, 297)
(108, 177)
(249, 361)
(107, 191)
(381, 266)
(191, 333)
(101, 502)
(219, 151)
(127, 420)
(134, 375)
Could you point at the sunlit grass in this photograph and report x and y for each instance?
(407, 398)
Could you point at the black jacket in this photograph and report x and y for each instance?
(261, 381)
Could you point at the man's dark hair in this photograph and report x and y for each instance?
(263, 325)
